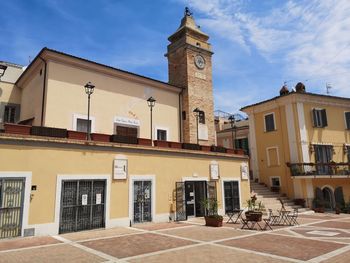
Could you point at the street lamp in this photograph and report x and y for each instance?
(233, 126)
(89, 89)
(196, 113)
(2, 70)
(151, 102)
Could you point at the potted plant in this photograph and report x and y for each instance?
(176, 145)
(230, 151)
(205, 148)
(255, 209)
(161, 143)
(219, 149)
(144, 141)
(17, 128)
(100, 137)
(300, 201)
(318, 205)
(191, 146)
(211, 210)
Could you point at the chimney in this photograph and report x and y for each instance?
(284, 90)
(300, 88)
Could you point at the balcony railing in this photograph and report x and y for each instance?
(319, 169)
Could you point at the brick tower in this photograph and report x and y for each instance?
(189, 61)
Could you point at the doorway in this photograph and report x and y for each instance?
(328, 198)
(231, 196)
(195, 194)
(142, 201)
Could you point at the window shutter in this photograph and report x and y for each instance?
(324, 118)
(347, 119)
(314, 117)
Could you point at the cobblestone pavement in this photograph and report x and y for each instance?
(317, 238)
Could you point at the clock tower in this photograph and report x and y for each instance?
(189, 61)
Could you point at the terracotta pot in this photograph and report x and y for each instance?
(212, 221)
(100, 137)
(205, 148)
(164, 144)
(177, 145)
(239, 151)
(253, 216)
(143, 141)
(48, 132)
(77, 135)
(17, 128)
(230, 151)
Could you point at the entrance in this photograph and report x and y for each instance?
(142, 201)
(11, 206)
(328, 198)
(82, 205)
(195, 194)
(231, 194)
(190, 196)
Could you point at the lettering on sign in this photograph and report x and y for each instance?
(127, 121)
(84, 199)
(244, 171)
(98, 199)
(214, 171)
(120, 169)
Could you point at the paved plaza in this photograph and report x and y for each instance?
(318, 238)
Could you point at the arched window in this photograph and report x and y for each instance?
(201, 117)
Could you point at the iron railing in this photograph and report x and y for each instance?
(317, 169)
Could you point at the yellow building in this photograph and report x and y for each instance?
(54, 179)
(300, 144)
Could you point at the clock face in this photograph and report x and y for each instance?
(199, 61)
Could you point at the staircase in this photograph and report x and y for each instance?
(271, 199)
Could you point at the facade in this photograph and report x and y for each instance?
(53, 180)
(299, 143)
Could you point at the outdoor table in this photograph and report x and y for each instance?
(284, 217)
(234, 212)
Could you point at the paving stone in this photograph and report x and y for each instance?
(99, 233)
(204, 233)
(334, 224)
(341, 258)
(17, 243)
(127, 246)
(207, 254)
(159, 226)
(52, 254)
(292, 247)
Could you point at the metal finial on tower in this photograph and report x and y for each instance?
(188, 12)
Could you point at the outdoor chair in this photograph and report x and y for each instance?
(274, 219)
(269, 221)
(292, 218)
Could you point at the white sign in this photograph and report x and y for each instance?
(200, 75)
(98, 199)
(202, 132)
(120, 169)
(127, 121)
(244, 171)
(214, 171)
(84, 199)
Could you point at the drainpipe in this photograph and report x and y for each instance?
(44, 94)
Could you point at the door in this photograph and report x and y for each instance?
(195, 194)
(190, 199)
(231, 195)
(11, 206)
(180, 201)
(82, 205)
(142, 201)
(323, 156)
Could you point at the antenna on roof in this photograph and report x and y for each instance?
(30, 59)
(328, 87)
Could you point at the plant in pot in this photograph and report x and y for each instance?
(318, 205)
(211, 210)
(255, 209)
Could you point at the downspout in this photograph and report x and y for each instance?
(44, 94)
(180, 114)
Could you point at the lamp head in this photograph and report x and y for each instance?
(89, 88)
(151, 102)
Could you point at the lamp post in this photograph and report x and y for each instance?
(151, 102)
(233, 126)
(89, 89)
(2, 70)
(196, 113)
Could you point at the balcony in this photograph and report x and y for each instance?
(327, 170)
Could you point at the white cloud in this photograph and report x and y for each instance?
(310, 38)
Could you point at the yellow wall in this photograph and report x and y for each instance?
(46, 163)
(112, 97)
(9, 93)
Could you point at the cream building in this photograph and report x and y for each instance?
(53, 180)
(299, 142)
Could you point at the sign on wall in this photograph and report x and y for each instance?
(244, 171)
(214, 171)
(126, 121)
(120, 169)
(202, 132)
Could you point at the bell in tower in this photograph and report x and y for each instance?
(189, 64)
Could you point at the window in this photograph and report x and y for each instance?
(126, 131)
(242, 144)
(347, 120)
(275, 182)
(201, 117)
(270, 122)
(323, 156)
(272, 156)
(82, 125)
(319, 118)
(10, 114)
(161, 135)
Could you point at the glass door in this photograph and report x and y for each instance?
(142, 201)
(190, 199)
(231, 195)
(323, 156)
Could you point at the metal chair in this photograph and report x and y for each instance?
(274, 218)
(292, 218)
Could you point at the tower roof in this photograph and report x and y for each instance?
(188, 25)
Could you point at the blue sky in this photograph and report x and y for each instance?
(258, 45)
